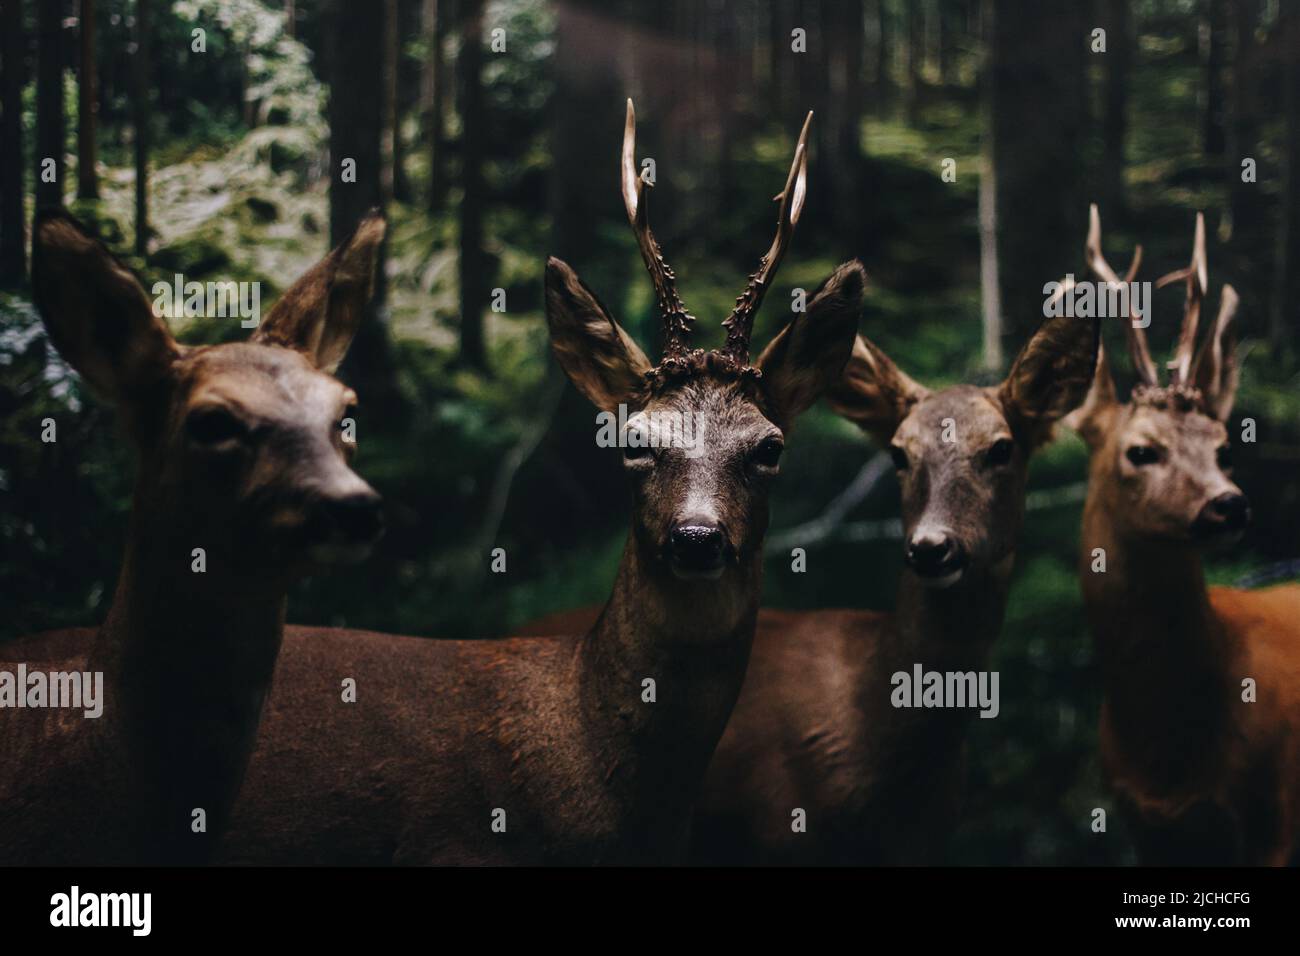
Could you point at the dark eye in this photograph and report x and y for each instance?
(633, 454)
(214, 426)
(768, 453)
(1000, 452)
(1143, 455)
(1224, 456)
(899, 456)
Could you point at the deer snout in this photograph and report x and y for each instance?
(344, 525)
(1229, 513)
(697, 548)
(937, 557)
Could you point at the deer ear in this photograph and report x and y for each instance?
(600, 359)
(320, 313)
(1050, 377)
(1216, 371)
(874, 393)
(810, 353)
(1092, 419)
(97, 313)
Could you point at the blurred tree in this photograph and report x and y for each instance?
(474, 266)
(13, 233)
(1038, 107)
(140, 122)
(396, 185)
(1283, 325)
(1115, 19)
(51, 132)
(841, 121)
(433, 96)
(990, 293)
(290, 18)
(1242, 128)
(1214, 27)
(87, 106)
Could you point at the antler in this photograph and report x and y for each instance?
(1197, 279)
(1137, 338)
(677, 321)
(740, 323)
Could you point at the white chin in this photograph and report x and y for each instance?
(947, 581)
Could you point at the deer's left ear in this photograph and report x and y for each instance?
(320, 313)
(809, 354)
(1050, 377)
(1216, 372)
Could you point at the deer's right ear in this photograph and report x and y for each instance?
(1093, 418)
(320, 313)
(97, 314)
(600, 359)
(873, 392)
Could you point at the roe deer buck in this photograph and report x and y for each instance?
(548, 750)
(240, 454)
(814, 728)
(1206, 776)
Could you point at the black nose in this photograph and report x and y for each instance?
(357, 517)
(1226, 513)
(697, 547)
(935, 555)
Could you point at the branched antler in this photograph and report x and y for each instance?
(1197, 279)
(1137, 338)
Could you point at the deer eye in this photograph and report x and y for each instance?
(899, 456)
(1000, 452)
(214, 426)
(636, 454)
(1224, 457)
(1142, 455)
(768, 453)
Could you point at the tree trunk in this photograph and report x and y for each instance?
(437, 15)
(1116, 63)
(395, 182)
(13, 230)
(474, 280)
(990, 291)
(290, 18)
(1214, 28)
(356, 126)
(51, 134)
(87, 106)
(1242, 126)
(1283, 326)
(1038, 111)
(140, 113)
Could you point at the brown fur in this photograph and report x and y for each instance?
(187, 658)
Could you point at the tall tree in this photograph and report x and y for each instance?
(436, 18)
(51, 132)
(1214, 30)
(990, 289)
(87, 106)
(1242, 128)
(1283, 326)
(140, 113)
(396, 185)
(355, 35)
(474, 265)
(13, 241)
(1116, 65)
(1038, 109)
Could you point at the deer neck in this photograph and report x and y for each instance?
(693, 640)
(187, 659)
(1159, 645)
(953, 627)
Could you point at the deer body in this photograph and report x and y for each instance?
(1208, 771)
(241, 487)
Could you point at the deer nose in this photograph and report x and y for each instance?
(1228, 512)
(357, 517)
(697, 548)
(936, 556)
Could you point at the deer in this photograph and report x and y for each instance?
(1200, 723)
(816, 732)
(590, 747)
(243, 485)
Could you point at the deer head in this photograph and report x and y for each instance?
(1161, 461)
(700, 512)
(240, 445)
(962, 452)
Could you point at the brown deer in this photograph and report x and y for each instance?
(1207, 766)
(241, 456)
(587, 748)
(815, 728)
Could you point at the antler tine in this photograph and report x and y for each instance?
(1196, 275)
(740, 324)
(1137, 339)
(677, 321)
